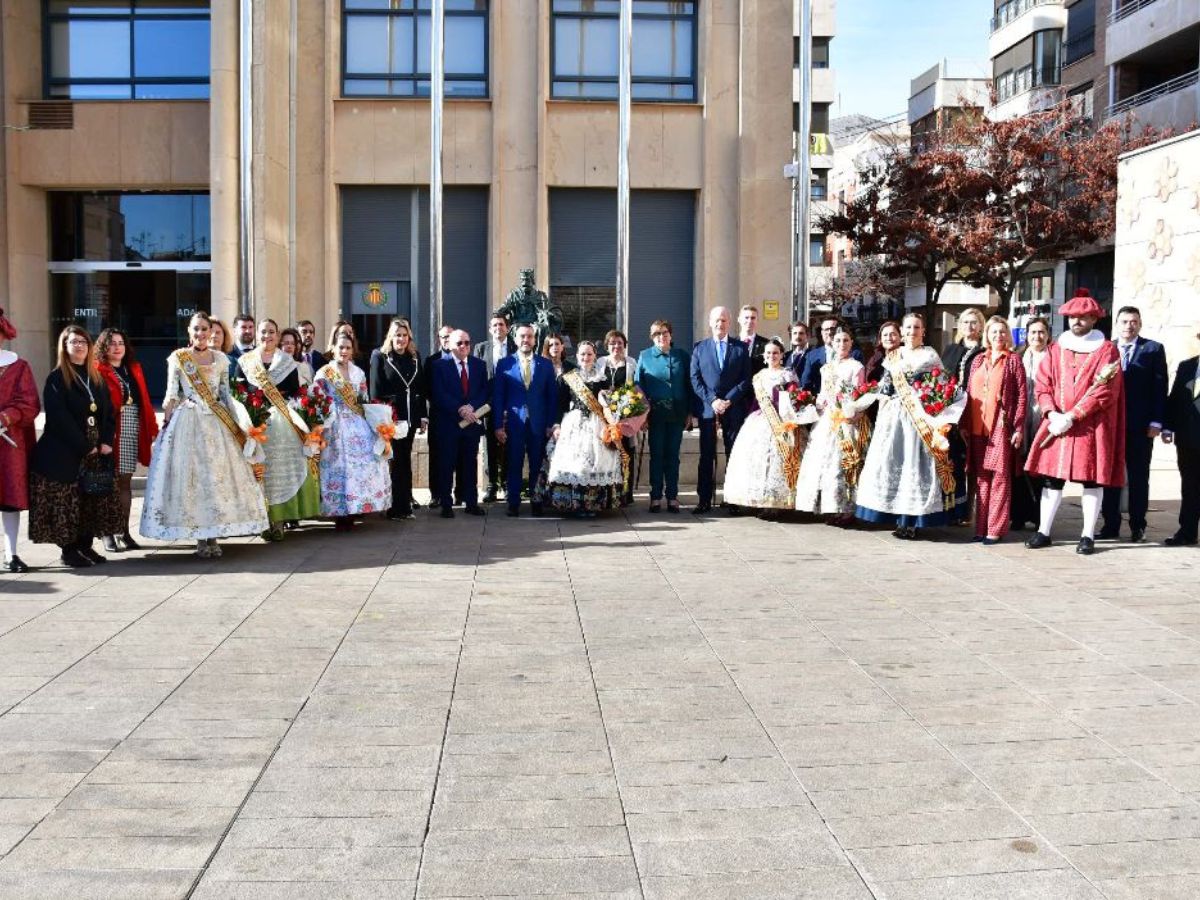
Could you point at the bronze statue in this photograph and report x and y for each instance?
(526, 305)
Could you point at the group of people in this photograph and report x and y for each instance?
(262, 431)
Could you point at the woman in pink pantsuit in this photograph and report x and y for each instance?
(994, 427)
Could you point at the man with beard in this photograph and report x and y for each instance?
(1081, 396)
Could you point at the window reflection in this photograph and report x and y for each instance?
(129, 227)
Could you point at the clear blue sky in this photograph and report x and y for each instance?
(881, 45)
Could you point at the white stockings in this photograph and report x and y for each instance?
(12, 527)
(1051, 501)
(1091, 510)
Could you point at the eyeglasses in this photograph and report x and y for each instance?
(463, 344)
(655, 334)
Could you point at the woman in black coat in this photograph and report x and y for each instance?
(79, 435)
(396, 377)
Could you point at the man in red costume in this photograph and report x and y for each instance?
(1081, 395)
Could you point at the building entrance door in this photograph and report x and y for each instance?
(152, 303)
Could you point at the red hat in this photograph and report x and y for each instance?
(1082, 304)
(8, 331)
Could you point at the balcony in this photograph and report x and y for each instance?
(1139, 25)
(1018, 19)
(1172, 103)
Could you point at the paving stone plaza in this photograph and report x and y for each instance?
(637, 706)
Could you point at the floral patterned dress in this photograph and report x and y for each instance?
(353, 479)
(200, 484)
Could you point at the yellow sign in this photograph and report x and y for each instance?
(770, 309)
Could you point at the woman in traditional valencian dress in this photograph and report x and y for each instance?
(201, 484)
(837, 447)
(354, 480)
(765, 462)
(291, 483)
(586, 473)
(908, 479)
(19, 406)
(137, 426)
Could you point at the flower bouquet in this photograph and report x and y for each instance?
(853, 398)
(941, 400)
(626, 408)
(312, 404)
(380, 417)
(797, 406)
(255, 410)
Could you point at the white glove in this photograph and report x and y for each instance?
(1060, 423)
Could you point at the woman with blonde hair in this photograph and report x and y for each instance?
(994, 428)
(397, 379)
(73, 495)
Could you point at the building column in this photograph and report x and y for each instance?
(223, 155)
(717, 230)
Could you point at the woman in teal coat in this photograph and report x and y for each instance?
(662, 374)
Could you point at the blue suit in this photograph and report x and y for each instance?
(525, 414)
(458, 448)
(712, 381)
(1145, 405)
(808, 370)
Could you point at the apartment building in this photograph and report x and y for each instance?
(1152, 49)
(125, 203)
(1026, 50)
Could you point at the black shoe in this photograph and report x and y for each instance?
(537, 510)
(1109, 534)
(1038, 541)
(1138, 535)
(475, 510)
(673, 507)
(110, 543)
(76, 560)
(978, 539)
(656, 507)
(129, 543)
(434, 503)
(447, 512)
(990, 542)
(489, 497)
(701, 509)
(1179, 540)
(16, 565)
(1086, 547)
(513, 512)
(92, 556)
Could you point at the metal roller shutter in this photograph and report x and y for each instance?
(376, 232)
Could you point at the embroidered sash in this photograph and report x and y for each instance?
(191, 369)
(344, 388)
(852, 441)
(785, 439)
(939, 449)
(258, 372)
(611, 434)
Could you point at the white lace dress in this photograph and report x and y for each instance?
(822, 486)
(200, 485)
(585, 474)
(899, 483)
(755, 475)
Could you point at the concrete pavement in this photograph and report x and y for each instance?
(637, 706)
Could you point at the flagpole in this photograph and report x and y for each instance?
(437, 90)
(623, 120)
(803, 192)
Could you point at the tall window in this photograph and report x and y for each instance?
(585, 49)
(126, 49)
(1081, 31)
(385, 48)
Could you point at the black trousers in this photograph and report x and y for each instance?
(706, 472)
(1189, 484)
(1026, 499)
(1138, 450)
(400, 467)
(497, 460)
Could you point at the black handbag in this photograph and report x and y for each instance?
(97, 476)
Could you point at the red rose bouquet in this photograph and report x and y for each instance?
(937, 390)
(312, 404)
(255, 402)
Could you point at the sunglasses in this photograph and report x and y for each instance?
(463, 344)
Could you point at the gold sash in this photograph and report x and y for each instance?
(612, 434)
(852, 442)
(912, 406)
(344, 388)
(785, 438)
(190, 368)
(263, 381)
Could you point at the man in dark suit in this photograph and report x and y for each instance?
(244, 337)
(443, 352)
(1144, 363)
(524, 409)
(751, 339)
(799, 335)
(720, 376)
(1182, 428)
(810, 372)
(308, 335)
(459, 388)
(491, 351)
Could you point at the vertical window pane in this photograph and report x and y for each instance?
(662, 48)
(367, 45)
(465, 39)
(167, 49)
(83, 49)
